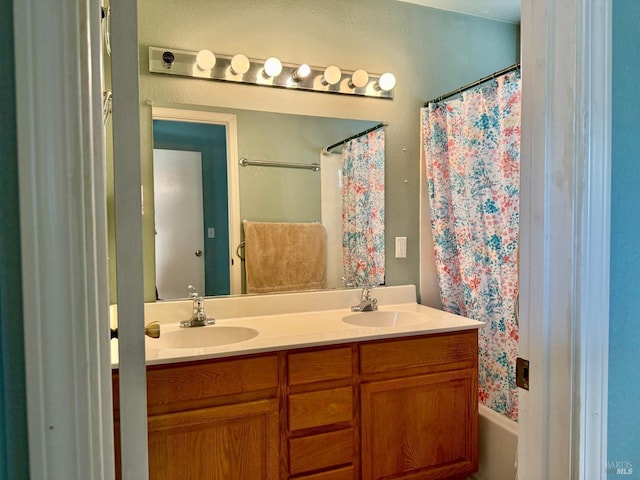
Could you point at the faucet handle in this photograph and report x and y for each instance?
(366, 292)
(193, 293)
(346, 282)
(199, 303)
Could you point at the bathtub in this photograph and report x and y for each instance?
(498, 446)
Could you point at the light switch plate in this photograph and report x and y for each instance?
(401, 247)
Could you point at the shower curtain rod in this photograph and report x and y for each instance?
(327, 150)
(474, 84)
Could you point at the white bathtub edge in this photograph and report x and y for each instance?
(499, 419)
(498, 446)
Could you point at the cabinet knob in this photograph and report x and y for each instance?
(150, 330)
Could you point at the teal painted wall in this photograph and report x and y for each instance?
(13, 415)
(211, 142)
(624, 330)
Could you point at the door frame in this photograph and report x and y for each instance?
(63, 231)
(564, 249)
(68, 395)
(230, 122)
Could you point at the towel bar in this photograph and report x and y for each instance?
(240, 245)
(245, 162)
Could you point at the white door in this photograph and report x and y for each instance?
(177, 184)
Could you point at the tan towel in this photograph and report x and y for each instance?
(281, 257)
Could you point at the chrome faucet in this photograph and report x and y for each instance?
(367, 302)
(198, 317)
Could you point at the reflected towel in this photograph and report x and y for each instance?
(280, 257)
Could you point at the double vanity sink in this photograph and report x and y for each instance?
(217, 335)
(258, 324)
(283, 388)
(261, 334)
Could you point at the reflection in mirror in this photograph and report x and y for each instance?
(177, 187)
(191, 208)
(201, 196)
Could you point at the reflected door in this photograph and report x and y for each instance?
(177, 182)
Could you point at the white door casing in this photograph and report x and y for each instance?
(564, 252)
(127, 179)
(63, 230)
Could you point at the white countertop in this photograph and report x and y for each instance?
(301, 330)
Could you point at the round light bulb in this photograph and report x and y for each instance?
(272, 67)
(386, 81)
(303, 71)
(240, 64)
(205, 60)
(332, 75)
(359, 79)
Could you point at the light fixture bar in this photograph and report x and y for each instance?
(184, 63)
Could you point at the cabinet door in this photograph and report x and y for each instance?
(420, 427)
(231, 442)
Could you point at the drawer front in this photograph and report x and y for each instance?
(315, 409)
(345, 473)
(419, 352)
(316, 452)
(167, 384)
(321, 365)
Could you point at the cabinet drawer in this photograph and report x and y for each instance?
(170, 386)
(318, 366)
(345, 473)
(415, 353)
(320, 451)
(326, 407)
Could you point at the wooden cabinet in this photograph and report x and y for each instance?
(321, 431)
(401, 408)
(230, 442)
(214, 420)
(419, 408)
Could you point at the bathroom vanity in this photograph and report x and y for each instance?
(371, 402)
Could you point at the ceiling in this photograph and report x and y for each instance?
(503, 10)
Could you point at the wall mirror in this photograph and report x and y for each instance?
(430, 52)
(202, 193)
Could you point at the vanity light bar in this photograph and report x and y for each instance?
(251, 71)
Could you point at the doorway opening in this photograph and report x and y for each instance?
(196, 202)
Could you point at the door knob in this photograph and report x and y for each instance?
(198, 253)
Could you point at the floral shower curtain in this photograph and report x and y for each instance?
(472, 154)
(363, 209)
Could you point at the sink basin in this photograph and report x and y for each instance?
(202, 337)
(384, 319)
